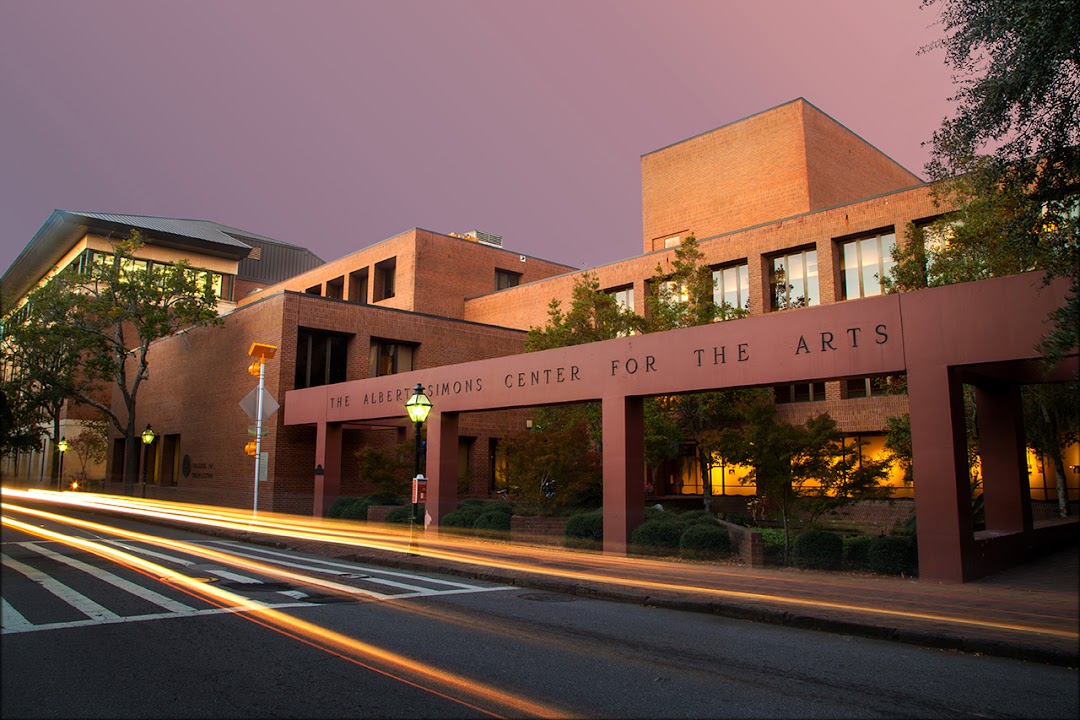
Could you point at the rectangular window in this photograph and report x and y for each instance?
(731, 285)
(321, 358)
(624, 298)
(384, 279)
(800, 392)
(506, 279)
(389, 357)
(793, 280)
(863, 262)
(358, 286)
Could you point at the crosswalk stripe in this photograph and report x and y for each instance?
(77, 600)
(11, 619)
(144, 618)
(114, 580)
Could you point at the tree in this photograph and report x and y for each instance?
(111, 311)
(389, 469)
(90, 446)
(1052, 422)
(683, 297)
(806, 468)
(42, 358)
(593, 315)
(1017, 65)
(552, 468)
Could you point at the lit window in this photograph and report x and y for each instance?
(863, 263)
(389, 357)
(794, 280)
(731, 285)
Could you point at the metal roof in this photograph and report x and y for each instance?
(63, 228)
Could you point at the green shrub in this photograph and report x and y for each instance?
(456, 519)
(817, 550)
(657, 534)
(772, 541)
(403, 514)
(697, 516)
(704, 541)
(383, 498)
(493, 520)
(339, 504)
(356, 510)
(893, 555)
(586, 526)
(857, 552)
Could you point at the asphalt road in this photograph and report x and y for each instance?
(341, 639)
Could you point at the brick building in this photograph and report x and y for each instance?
(785, 204)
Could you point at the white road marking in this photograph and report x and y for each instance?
(11, 619)
(114, 580)
(77, 600)
(142, 618)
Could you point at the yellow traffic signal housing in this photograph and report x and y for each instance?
(250, 448)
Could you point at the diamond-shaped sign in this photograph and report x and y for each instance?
(250, 404)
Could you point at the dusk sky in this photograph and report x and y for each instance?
(335, 125)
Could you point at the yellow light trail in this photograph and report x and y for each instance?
(462, 550)
(314, 635)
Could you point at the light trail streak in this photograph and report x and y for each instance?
(338, 644)
(467, 551)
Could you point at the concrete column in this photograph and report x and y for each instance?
(942, 485)
(1006, 491)
(442, 467)
(624, 470)
(327, 467)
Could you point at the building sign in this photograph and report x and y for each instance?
(846, 340)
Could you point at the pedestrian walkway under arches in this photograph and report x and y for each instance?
(983, 334)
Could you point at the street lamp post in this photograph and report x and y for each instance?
(61, 447)
(418, 406)
(148, 436)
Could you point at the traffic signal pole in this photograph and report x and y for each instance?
(258, 435)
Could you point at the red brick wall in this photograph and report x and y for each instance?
(782, 162)
(434, 273)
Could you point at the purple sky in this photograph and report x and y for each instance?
(334, 125)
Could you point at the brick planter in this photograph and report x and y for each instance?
(538, 530)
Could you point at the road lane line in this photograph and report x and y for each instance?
(147, 594)
(75, 599)
(348, 566)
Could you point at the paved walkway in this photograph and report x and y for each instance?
(1031, 612)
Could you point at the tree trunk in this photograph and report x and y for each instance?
(706, 481)
(131, 456)
(1062, 485)
(54, 470)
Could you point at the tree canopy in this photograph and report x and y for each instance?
(1009, 157)
(99, 320)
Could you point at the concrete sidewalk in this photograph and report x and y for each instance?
(1031, 612)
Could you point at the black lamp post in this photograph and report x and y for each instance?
(61, 447)
(418, 406)
(147, 438)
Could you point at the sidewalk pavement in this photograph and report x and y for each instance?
(1031, 612)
